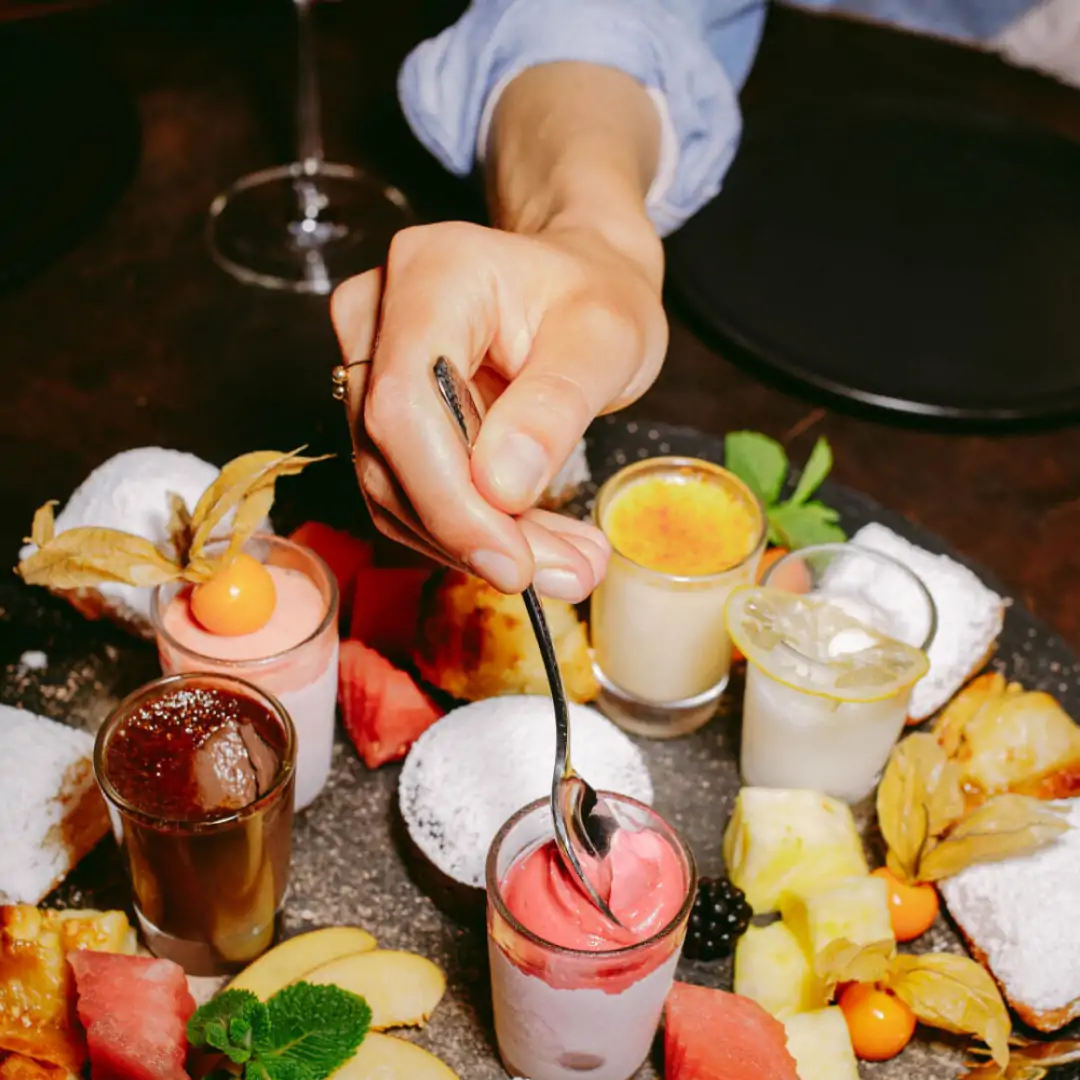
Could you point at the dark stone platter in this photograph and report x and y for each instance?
(348, 865)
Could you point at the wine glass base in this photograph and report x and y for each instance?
(304, 227)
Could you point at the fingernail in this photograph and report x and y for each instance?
(519, 469)
(560, 585)
(497, 568)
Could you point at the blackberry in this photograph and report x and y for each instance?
(719, 918)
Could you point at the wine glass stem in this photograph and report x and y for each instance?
(308, 116)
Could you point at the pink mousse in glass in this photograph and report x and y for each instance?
(575, 994)
(293, 657)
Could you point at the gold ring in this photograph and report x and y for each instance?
(340, 378)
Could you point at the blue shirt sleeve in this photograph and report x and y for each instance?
(691, 55)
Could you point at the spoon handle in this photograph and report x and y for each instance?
(462, 405)
(540, 627)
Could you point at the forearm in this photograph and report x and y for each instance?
(575, 146)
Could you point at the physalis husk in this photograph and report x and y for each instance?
(929, 836)
(87, 556)
(948, 992)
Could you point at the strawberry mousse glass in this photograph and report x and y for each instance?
(294, 656)
(684, 533)
(574, 994)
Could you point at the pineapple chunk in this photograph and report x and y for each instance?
(821, 1046)
(772, 969)
(783, 841)
(856, 909)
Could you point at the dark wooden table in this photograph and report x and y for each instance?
(136, 338)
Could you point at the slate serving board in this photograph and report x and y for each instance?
(348, 864)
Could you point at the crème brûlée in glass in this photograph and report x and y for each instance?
(684, 533)
(682, 524)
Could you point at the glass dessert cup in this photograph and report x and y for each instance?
(662, 653)
(794, 735)
(209, 884)
(303, 677)
(563, 1013)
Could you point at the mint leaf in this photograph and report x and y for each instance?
(313, 1031)
(814, 471)
(233, 1023)
(757, 460)
(794, 526)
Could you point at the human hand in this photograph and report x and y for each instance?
(552, 330)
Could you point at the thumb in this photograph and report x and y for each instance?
(584, 357)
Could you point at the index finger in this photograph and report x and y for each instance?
(431, 309)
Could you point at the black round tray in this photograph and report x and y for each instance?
(912, 256)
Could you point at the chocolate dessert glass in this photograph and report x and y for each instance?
(198, 773)
(561, 1013)
(303, 676)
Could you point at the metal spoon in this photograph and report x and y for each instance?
(584, 823)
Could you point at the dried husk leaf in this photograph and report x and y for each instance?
(84, 557)
(179, 527)
(1005, 827)
(1028, 1060)
(843, 961)
(43, 528)
(242, 479)
(956, 994)
(902, 800)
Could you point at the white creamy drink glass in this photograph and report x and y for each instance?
(563, 1013)
(835, 642)
(294, 658)
(662, 652)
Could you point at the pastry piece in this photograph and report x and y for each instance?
(969, 617)
(1008, 739)
(781, 841)
(475, 642)
(130, 492)
(51, 812)
(481, 763)
(567, 483)
(18, 1067)
(1019, 918)
(37, 1008)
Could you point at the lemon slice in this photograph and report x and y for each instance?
(814, 645)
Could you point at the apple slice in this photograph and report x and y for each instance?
(382, 1057)
(401, 987)
(293, 959)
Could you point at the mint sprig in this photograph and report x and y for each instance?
(762, 464)
(303, 1032)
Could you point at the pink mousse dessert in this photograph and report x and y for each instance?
(575, 994)
(292, 655)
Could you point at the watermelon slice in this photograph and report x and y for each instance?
(714, 1035)
(383, 709)
(344, 553)
(386, 608)
(135, 1011)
